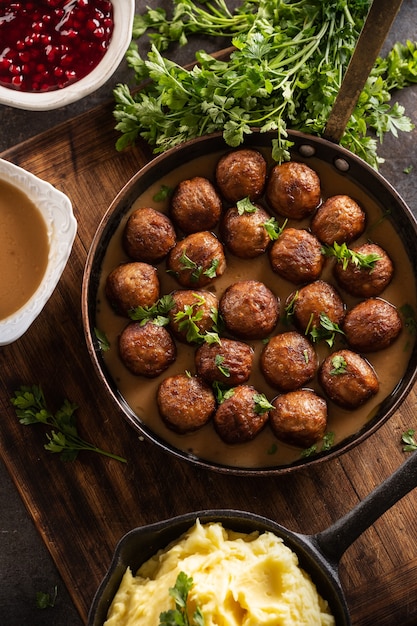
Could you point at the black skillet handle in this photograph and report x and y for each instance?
(335, 540)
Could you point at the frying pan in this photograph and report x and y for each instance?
(318, 554)
(341, 163)
(327, 150)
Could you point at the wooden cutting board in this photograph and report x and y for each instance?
(81, 509)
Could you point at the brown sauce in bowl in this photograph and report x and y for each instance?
(24, 248)
(265, 451)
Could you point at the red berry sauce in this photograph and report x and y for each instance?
(49, 44)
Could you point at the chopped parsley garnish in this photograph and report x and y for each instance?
(326, 331)
(156, 313)
(179, 615)
(339, 365)
(188, 320)
(219, 363)
(345, 255)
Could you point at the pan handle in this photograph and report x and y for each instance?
(335, 540)
(375, 29)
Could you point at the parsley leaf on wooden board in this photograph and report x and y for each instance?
(284, 73)
(31, 408)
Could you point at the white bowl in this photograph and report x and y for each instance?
(123, 12)
(56, 209)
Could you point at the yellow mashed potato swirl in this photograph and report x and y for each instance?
(238, 580)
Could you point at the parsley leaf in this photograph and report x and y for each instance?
(31, 408)
(179, 615)
(409, 441)
(326, 331)
(345, 256)
(262, 404)
(45, 600)
(339, 365)
(156, 313)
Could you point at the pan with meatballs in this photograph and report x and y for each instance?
(228, 358)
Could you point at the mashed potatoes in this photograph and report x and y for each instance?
(239, 580)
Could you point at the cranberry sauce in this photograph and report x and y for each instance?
(49, 44)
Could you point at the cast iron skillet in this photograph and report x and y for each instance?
(318, 554)
(376, 27)
(342, 162)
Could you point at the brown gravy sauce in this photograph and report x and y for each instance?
(24, 248)
(265, 450)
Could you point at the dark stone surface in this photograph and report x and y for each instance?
(25, 564)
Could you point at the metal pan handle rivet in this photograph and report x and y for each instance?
(307, 150)
(342, 165)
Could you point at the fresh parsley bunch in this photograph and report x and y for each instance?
(285, 72)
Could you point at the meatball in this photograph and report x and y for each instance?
(195, 205)
(185, 403)
(197, 260)
(146, 350)
(299, 417)
(193, 314)
(131, 285)
(288, 361)
(338, 219)
(244, 233)
(296, 256)
(238, 419)
(249, 309)
(362, 281)
(148, 235)
(313, 300)
(348, 379)
(229, 362)
(241, 174)
(293, 190)
(372, 325)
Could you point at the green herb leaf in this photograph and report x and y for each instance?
(273, 229)
(262, 404)
(46, 600)
(339, 365)
(188, 319)
(326, 443)
(156, 313)
(179, 615)
(409, 441)
(222, 392)
(345, 256)
(245, 206)
(219, 363)
(102, 340)
(326, 331)
(164, 193)
(30, 407)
